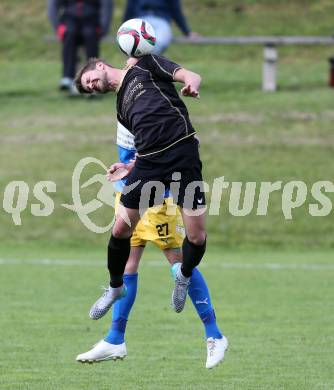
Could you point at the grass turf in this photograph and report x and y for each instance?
(278, 317)
(276, 309)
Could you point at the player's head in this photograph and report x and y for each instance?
(93, 77)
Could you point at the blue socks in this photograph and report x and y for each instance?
(199, 294)
(121, 310)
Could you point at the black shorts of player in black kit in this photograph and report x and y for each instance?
(178, 169)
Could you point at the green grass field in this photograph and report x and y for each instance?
(275, 307)
(271, 279)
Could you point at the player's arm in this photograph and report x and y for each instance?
(119, 170)
(191, 81)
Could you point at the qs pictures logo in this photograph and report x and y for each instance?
(239, 199)
(104, 196)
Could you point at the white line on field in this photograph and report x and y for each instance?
(260, 266)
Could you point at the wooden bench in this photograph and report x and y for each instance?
(270, 53)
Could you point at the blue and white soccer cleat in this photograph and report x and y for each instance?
(181, 288)
(103, 304)
(216, 350)
(103, 351)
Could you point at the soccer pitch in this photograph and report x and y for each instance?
(275, 308)
(271, 279)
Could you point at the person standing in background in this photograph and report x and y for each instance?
(160, 14)
(78, 23)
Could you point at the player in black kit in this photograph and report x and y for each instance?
(149, 106)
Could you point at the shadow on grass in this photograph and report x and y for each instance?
(22, 94)
(46, 95)
(303, 87)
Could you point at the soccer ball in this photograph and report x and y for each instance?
(136, 38)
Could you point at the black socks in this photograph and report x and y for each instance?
(192, 256)
(118, 253)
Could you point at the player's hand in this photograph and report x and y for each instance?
(118, 171)
(189, 90)
(61, 29)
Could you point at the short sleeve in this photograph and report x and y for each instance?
(161, 67)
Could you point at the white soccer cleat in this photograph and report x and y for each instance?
(216, 350)
(65, 84)
(103, 351)
(181, 288)
(104, 303)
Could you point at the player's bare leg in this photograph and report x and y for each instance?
(194, 225)
(132, 264)
(118, 254)
(173, 255)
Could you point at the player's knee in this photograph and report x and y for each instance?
(197, 238)
(121, 231)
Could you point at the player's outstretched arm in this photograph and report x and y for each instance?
(191, 81)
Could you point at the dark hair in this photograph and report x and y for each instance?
(91, 65)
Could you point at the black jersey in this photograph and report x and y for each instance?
(149, 106)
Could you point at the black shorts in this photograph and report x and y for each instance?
(177, 170)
